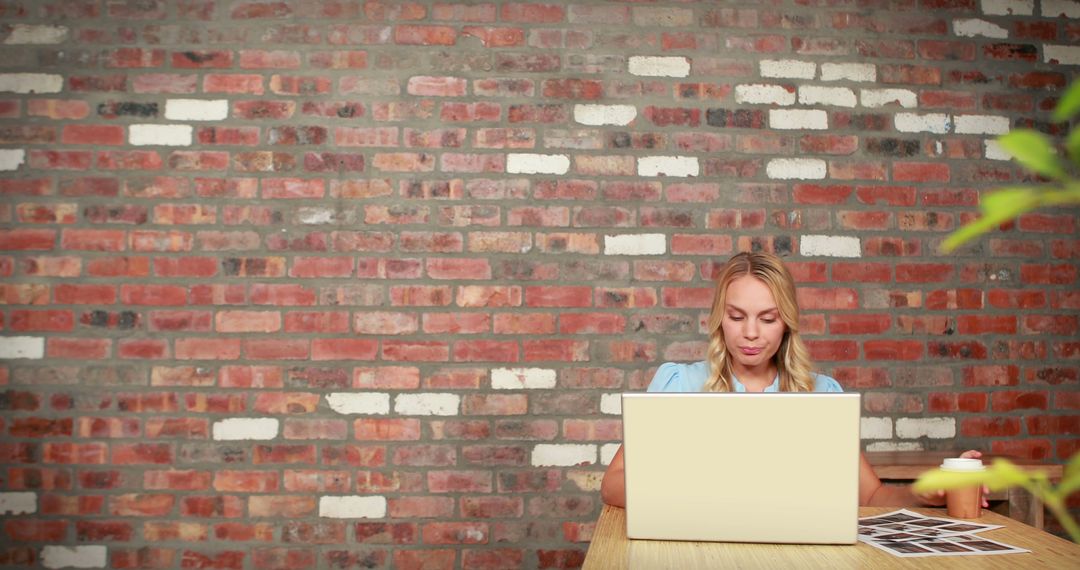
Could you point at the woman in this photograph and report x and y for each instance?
(754, 346)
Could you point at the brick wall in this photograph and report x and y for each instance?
(342, 284)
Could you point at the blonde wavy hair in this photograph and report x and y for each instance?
(792, 358)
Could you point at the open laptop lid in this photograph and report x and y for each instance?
(779, 467)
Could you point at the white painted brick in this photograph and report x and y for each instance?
(862, 72)
(980, 124)
(654, 66)
(427, 404)
(563, 454)
(160, 135)
(875, 428)
(1061, 55)
(906, 98)
(830, 246)
(31, 82)
(994, 151)
(915, 123)
(19, 503)
(235, 429)
(933, 428)
(196, 109)
(28, 34)
(90, 556)
(607, 452)
(315, 216)
(604, 114)
(817, 95)
(1011, 7)
(761, 94)
(353, 507)
(635, 244)
(12, 159)
(611, 404)
(973, 28)
(529, 163)
(1054, 8)
(681, 166)
(796, 169)
(359, 402)
(22, 347)
(523, 378)
(799, 119)
(894, 446)
(788, 69)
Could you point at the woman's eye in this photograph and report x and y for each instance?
(734, 317)
(769, 321)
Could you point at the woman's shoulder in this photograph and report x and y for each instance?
(823, 383)
(680, 377)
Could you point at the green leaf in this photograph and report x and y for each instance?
(1069, 103)
(1073, 466)
(1072, 146)
(1001, 474)
(1009, 201)
(1032, 150)
(998, 208)
(1006, 475)
(937, 480)
(1069, 484)
(1070, 479)
(971, 231)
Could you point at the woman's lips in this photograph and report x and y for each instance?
(749, 350)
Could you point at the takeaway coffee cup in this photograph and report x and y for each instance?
(963, 502)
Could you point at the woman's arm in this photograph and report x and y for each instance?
(613, 486)
(872, 492)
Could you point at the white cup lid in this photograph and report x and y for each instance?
(962, 464)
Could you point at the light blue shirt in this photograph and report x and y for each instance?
(678, 377)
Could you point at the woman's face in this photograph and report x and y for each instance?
(752, 326)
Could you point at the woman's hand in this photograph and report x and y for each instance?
(937, 498)
(975, 454)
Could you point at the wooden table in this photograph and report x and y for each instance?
(611, 549)
(906, 466)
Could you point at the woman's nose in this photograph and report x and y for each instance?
(751, 329)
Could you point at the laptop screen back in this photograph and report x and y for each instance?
(780, 468)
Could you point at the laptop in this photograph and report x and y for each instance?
(736, 467)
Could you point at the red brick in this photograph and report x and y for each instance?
(278, 349)
(1007, 401)
(833, 350)
(893, 350)
(425, 35)
(27, 239)
(1035, 449)
(77, 348)
(1048, 274)
(35, 530)
(567, 558)
(985, 324)
(343, 349)
(862, 272)
(207, 349)
(951, 402)
(142, 453)
(46, 320)
(920, 172)
(493, 558)
(993, 375)
(923, 272)
(427, 351)
(859, 324)
(422, 559)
